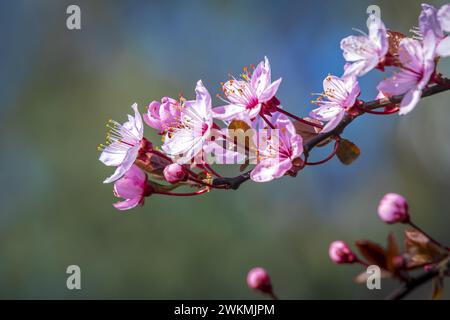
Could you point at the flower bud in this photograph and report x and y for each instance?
(340, 253)
(258, 279)
(174, 173)
(393, 208)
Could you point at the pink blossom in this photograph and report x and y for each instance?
(278, 154)
(339, 95)
(164, 115)
(123, 144)
(174, 173)
(393, 208)
(132, 187)
(340, 253)
(249, 94)
(190, 136)
(365, 52)
(417, 60)
(437, 22)
(258, 279)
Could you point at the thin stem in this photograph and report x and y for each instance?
(439, 79)
(203, 183)
(160, 154)
(267, 121)
(189, 194)
(412, 224)
(312, 124)
(192, 173)
(329, 157)
(211, 170)
(386, 112)
(273, 296)
(414, 283)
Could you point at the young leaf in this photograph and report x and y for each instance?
(438, 287)
(154, 165)
(240, 133)
(421, 249)
(363, 276)
(238, 125)
(308, 132)
(347, 152)
(392, 253)
(373, 253)
(243, 166)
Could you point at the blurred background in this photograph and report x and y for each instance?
(59, 87)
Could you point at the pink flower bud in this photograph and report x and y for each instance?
(393, 208)
(258, 279)
(340, 253)
(175, 173)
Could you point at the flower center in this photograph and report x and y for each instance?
(253, 102)
(204, 128)
(117, 133)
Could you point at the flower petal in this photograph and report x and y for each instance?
(270, 169)
(261, 77)
(270, 91)
(333, 122)
(378, 36)
(125, 165)
(411, 54)
(183, 145)
(359, 68)
(114, 154)
(410, 101)
(326, 112)
(203, 100)
(444, 17)
(401, 83)
(443, 49)
(428, 21)
(227, 112)
(132, 184)
(138, 121)
(127, 204)
(357, 48)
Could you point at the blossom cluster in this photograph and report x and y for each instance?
(250, 126)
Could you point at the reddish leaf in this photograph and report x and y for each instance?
(363, 276)
(420, 249)
(347, 152)
(392, 254)
(308, 132)
(373, 253)
(241, 134)
(438, 288)
(153, 164)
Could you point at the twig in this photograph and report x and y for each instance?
(414, 283)
(235, 182)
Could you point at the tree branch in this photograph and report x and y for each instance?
(444, 85)
(414, 283)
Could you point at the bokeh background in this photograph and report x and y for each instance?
(59, 87)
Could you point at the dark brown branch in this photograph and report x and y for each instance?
(232, 183)
(414, 283)
(235, 182)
